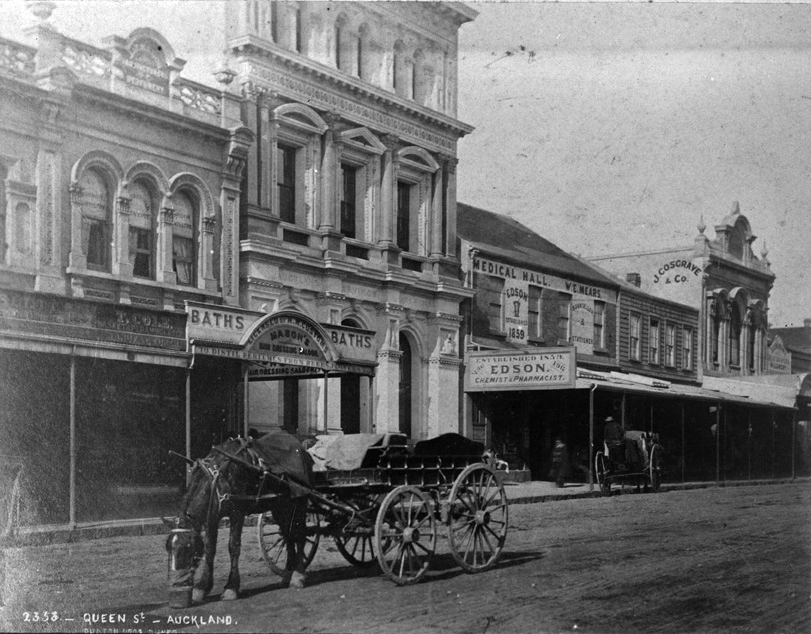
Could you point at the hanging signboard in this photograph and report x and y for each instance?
(515, 300)
(545, 369)
(583, 325)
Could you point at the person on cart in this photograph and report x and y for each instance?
(614, 437)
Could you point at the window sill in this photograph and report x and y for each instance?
(140, 281)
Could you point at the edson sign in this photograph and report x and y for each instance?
(554, 368)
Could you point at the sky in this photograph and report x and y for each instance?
(606, 127)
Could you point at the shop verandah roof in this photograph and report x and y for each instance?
(636, 384)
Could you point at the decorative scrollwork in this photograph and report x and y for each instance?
(199, 99)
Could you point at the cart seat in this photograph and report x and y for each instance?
(615, 450)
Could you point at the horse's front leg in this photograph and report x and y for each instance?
(296, 543)
(205, 582)
(231, 590)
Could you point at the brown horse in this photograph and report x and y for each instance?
(238, 478)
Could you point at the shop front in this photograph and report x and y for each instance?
(284, 371)
(92, 401)
(518, 404)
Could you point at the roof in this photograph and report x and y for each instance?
(794, 339)
(623, 382)
(500, 235)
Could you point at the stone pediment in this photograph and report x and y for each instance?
(145, 60)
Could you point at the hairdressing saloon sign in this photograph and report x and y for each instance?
(547, 369)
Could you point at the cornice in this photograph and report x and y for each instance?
(255, 49)
(151, 113)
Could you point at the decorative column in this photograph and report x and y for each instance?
(241, 139)
(250, 111)
(329, 176)
(443, 375)
(387, 377)
(388, 193)
(121, 228)
(206, 277)
(436, 249)
(165, 260)
(450, 201)
(709, 332)
(77, 259)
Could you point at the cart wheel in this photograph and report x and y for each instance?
(356, 544)
(601, 471)
(477, 519)
(272, 543)
(655, 468)
(405, 535)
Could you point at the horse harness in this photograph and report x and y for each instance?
(214, 473)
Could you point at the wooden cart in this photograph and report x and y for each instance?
(390, 512)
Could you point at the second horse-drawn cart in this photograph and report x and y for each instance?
(634, 458)
(389, 510)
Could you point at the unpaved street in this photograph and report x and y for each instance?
(709, 560)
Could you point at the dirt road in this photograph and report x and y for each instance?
(709, 560)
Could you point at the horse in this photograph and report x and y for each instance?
(238, 478)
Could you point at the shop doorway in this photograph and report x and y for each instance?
(405, 387)
(350, 395)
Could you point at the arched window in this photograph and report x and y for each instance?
(143, 211)
(184, 243)
(416, 205)
(735, 328)
(405, 386)
(23, 220)
(96, 204)
(297, 154)
(340, 43)
(715, 335)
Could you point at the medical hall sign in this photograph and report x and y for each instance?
(549, 369)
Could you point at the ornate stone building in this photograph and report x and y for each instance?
(119, 197)
(724, 279)
(349, 211)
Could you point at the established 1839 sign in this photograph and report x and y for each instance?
(544, 369)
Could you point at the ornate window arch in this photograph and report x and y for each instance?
(95, 179)
(296, 152)
(359, 184)
(718, 313)
(192, 239)
(418, 204)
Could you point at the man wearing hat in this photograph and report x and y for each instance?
(614, 436)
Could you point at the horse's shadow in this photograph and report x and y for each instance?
(443, 566)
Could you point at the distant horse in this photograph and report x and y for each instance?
(238, 478)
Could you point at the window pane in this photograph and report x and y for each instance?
(348, 200)
(183, 260)
(534, 312)
(286, 181)
(563, 317)
(94, 242)
(141, 252)
(403, 215)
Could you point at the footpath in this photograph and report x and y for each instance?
(517, 493)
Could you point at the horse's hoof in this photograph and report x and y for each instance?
(198, 595)
(297, 580)
(229, 595)
(286, 576)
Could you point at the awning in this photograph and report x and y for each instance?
(637, 384)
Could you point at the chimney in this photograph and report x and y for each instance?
(633, 278)
(807, 322)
